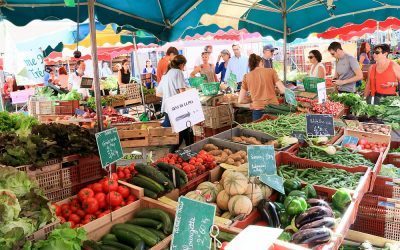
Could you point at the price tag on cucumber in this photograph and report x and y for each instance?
(192, 226)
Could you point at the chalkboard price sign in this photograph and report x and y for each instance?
(261, 160)
(109, 146)
(274, 182)
(185, 154)
(192, 226)
(320, 125)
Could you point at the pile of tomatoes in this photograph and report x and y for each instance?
(364, 145)
(195, 166)
(328, 107)
(94, 201)
(126, 173)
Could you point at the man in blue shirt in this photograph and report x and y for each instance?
(238, 65)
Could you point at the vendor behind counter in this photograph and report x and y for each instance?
(261, 83)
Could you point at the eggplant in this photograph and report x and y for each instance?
(327, 222)
(312, 236)
(318, 202)
(313, 214)
(269, 213)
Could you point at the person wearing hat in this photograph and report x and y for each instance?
(268, 52)
(221, 67)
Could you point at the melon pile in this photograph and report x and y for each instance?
(233, 195)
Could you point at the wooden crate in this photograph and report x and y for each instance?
(132, 92)
(66, 107)
(218, 117)
(159, 136)
(41, 108)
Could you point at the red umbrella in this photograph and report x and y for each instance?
(351, 30)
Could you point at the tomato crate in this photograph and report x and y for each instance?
(284, 158)
(379, 216)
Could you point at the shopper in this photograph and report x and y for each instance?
(63, 77)
(317, 67)
(268, 52)
(238, 65)
(208, 49)
(149, 69)
(76, 77)
(348, 71)
(383, 77)
(172, 84)
(221, 67)
(205, 69)
(365, 49)
(124, 75)
(162, 66)
(261, 83)
(105, 70)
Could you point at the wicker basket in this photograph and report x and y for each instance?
(195, 82)
(210, 88)
(310, 83)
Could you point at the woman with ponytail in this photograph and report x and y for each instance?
(260, 86)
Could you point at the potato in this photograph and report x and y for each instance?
(215, 152)
(223, 154)
(242, 153)
(230, 161)
(236, 139)
(253, 141)
(217, 159)
(236, 157)
(224, 158)
(242, 161)
(210, 147)
(228, 151)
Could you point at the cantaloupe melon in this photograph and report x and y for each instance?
(208, 190)
(195, 195)
(224, 175)
(223, 199)
(219, 186)
(266, 191)
(235, 183)
(254, 193)
(227, 215)
(240, 204)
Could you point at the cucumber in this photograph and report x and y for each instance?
(140, 246)
(126, 237)
(150, 194)
(109, 237)
(146, 222)
(155, 184)
(146, 184)
(154, 174)
(160, 234)
(118, 245)
(148, 237)
(180, 172)
(90, 245)
(157, 214)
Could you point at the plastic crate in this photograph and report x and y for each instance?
(132, 92)
(89, 168)
(42, 233)
(41, 108)
(310, 83)
(211, 88)
(195, 82)
(64, 193)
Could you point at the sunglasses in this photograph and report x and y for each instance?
(333, 54)
(310, 57)
(377, 52)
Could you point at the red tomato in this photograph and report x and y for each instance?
(57, 209)
(363, 142)
(97, 187)
(121, 175)
(114, 198)
(128, 176)
(101, 199)
(124, 191)
(62, 219)
(85, 221)
(90, 217)
(101, 215)
(90, 186)
(75, 218)
(71, 224)
(131, 168)
(65, 211)
(114, 176)
(131, 198)
(80, 213)
(79, 225)
(126, 171)
(123, 203)
(109, 186)
(367, 146)
(85, 193)
(90, 205)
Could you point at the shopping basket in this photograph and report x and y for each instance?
(195, 82)
(210, 88)
(310, 83)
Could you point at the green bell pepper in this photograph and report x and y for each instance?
(298, 193)
(309, 190)
(341, 199)
(284, 219)
(285, 236)
(295, 205)
(291, 184)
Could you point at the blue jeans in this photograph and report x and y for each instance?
(166, 123)
(257, 114)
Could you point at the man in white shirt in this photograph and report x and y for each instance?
(76, 77)
(238, 65)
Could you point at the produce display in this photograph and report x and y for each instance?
(48, 93)
(389, 170)
(328, 107)
(282, 142)
(148, 227)
(394, 150)
(226, 155)
(342, 156)
(126, 172)
(366, 146)
(284, 125)
(281, 109)
(24, 208)
(373, 128)
(329, 177)
(94, 201)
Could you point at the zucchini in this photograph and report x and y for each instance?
(148, 237)
(146, 222)
(109, 237)
(223, 236)
(154, 174)
(150, 194)
(90, 245)
(180, 172)
(160, 234)
(155, 184)
(140, 246)
(146, 184)
(157, 214)
(118, 245)
(127, 237)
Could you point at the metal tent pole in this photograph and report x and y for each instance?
(138, 67)
(95, 65)
(284, 13)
